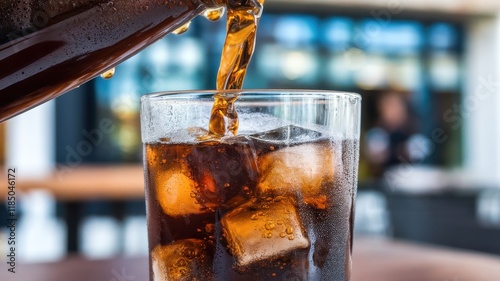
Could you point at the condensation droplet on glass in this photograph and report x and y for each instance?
(270, 225)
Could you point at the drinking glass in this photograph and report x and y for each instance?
(274, 202)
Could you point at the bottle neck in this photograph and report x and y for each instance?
(214, 3)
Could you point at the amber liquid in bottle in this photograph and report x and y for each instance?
(50, 47)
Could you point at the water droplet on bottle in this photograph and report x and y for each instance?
(214, 14)
(108, 74)
(182, 29)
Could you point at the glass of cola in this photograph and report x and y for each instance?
(273, 202)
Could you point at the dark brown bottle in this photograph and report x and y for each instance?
(49, 47)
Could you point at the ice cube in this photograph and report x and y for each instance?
(169, 180)
(226, 170)
(181, 261)
(304, 170)
(178, 195)
(199, 177)
(283, 137)
(259, 231)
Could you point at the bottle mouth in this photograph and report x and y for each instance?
(254, 6)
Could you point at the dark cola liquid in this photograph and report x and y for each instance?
(251, 210)
(50, 47)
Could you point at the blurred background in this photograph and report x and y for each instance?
(429, 75)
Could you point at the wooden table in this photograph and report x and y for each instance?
(374, 260)
(82, 183)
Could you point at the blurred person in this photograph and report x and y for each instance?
(386, 144)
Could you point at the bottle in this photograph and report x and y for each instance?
(49, 47)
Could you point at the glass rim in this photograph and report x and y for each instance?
(187, 94)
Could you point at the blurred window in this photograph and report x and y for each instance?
(421, 61)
